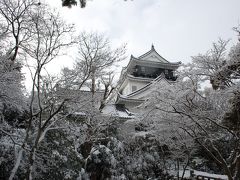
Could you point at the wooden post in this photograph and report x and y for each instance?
(192, 174)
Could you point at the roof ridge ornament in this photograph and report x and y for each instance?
(152, 47)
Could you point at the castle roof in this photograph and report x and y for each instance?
(134, 97)
(153, 53)
(150, 59)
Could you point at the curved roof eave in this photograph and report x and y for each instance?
(174, 64)
(141, 79)
(147, 86)
(123, 99)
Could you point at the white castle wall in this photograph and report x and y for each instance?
(128, 89)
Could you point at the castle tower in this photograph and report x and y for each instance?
(140, 74)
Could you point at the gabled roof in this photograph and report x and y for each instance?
(150, 59)
(151, 63)
(147, 60)
(153, 55)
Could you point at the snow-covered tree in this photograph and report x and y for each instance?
(93, 65)
(11, 90)
(39, 45)
(96, 56)
(14, 18)
(201, 115)
(206, 65)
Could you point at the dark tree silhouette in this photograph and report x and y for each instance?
(70, 3)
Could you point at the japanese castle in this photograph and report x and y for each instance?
(140, 74)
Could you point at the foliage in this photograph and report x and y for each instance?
(39, 139)
(93, 66)
(202, 116)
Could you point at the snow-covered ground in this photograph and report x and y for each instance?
(196, 173)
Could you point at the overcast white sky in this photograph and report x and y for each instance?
(178, 29)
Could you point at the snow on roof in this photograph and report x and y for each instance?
(73, 94)
(113, 110)
(80, 100)
(131, 97)
(141, 134)
(79, 113)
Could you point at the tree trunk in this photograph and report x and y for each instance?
(93, 89)
(14, 170)
(178, 173)
(185, 167)
(32, 155)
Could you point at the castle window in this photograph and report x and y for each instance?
(134, 88)
(174, 73)
(142, 69)
(166, 71)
